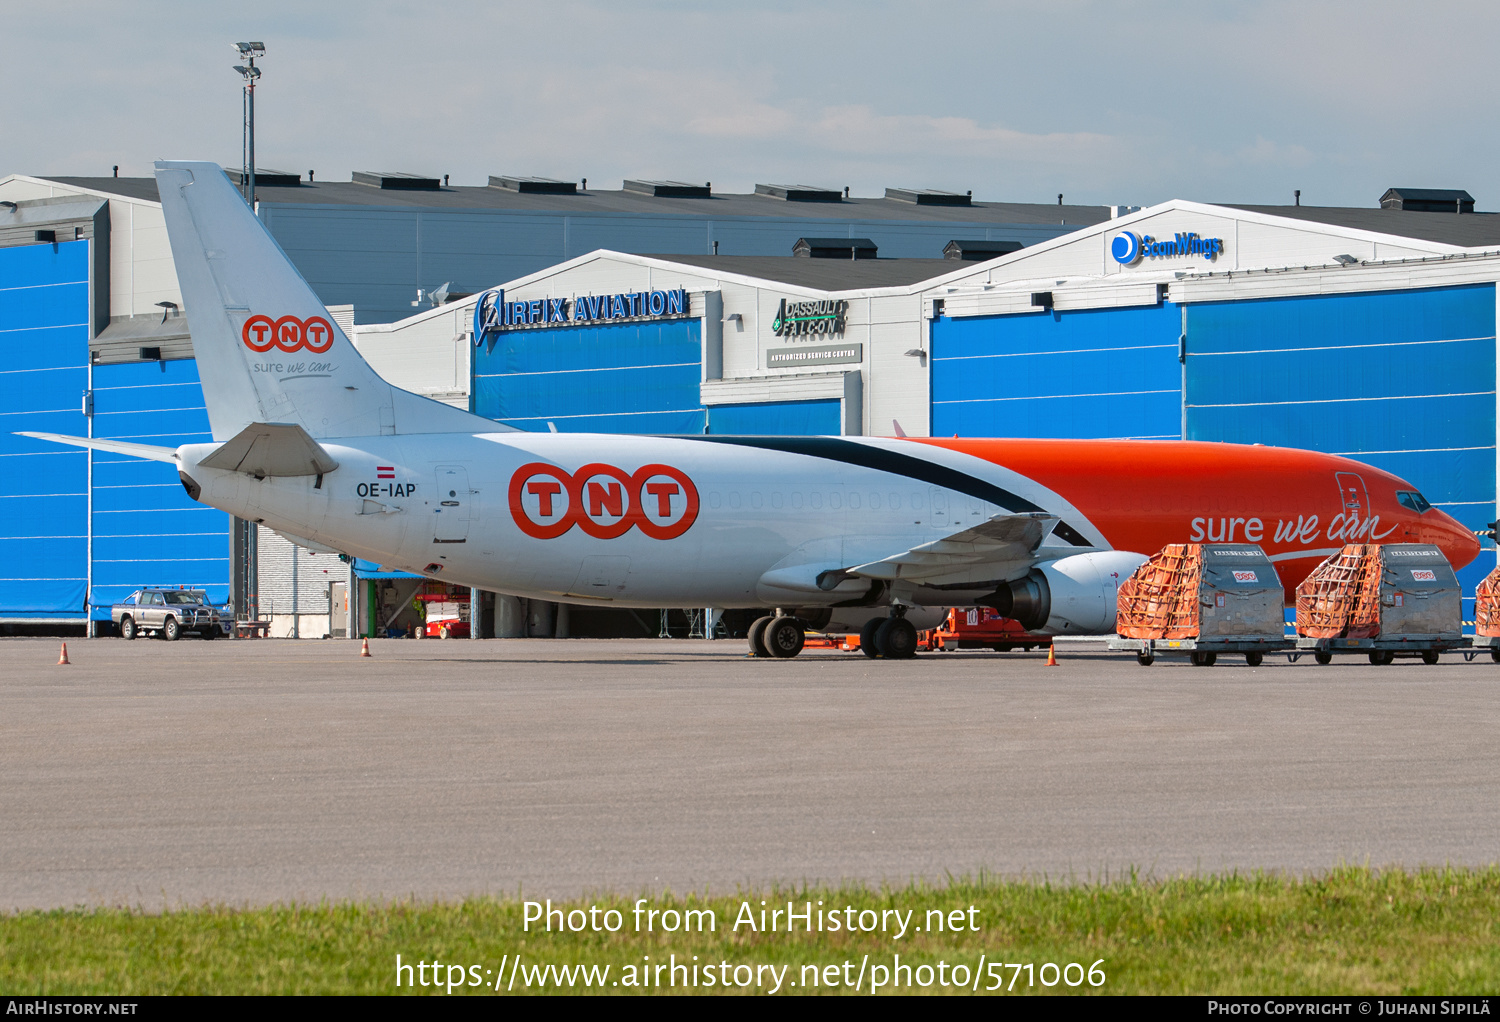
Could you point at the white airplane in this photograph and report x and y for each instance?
(855, 533)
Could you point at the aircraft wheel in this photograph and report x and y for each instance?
(867, 637)
(757, 635)
(1323, 657)
(1254, 659)
(1495, 654)
(171, 630)
(1145, 659)
(896, 639)
(1429, 656)
(129, 631)
(783, 637)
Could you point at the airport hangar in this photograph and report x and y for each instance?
(1368, 332)
(99, 342)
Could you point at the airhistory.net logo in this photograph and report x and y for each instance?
(1129, 248)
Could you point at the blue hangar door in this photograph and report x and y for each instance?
(1084, 374)
(1402, 380)
(44, 319)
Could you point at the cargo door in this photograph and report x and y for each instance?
(602, 577)
(451, 510)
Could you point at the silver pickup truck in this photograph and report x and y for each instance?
(169, 613)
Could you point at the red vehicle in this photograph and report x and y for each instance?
(982, 628)
(449, 628)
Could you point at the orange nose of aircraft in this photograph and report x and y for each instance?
(1458, 544)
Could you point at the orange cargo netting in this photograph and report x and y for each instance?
(1341, 598)
(1160, 601)
(1487, 605)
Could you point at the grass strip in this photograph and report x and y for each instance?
(1353, 930)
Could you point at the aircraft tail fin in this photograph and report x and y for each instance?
(267, 350)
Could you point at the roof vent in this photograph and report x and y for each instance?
(834, 248)
(265, 177)
(929, 197)
(1428, 200)
(395, 179)
(800, 193)
(669, 189)
(960, 248)
(534, 185)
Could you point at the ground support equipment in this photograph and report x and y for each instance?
(1380, 651)
(1482, 643)
(1202, 652)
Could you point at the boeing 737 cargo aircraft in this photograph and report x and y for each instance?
(862, 532)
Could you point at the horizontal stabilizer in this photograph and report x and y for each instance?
(264, 449)
(113, 446)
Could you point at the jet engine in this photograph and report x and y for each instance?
(1071, 596)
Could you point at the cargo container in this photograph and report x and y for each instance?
(1487, 616)
(1202, 599)
(1385, 600)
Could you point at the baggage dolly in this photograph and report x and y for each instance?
(1380, 651)
(1201, 652)
(1480, 644)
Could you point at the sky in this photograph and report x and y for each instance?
(1105, 102)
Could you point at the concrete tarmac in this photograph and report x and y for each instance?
(163, 774)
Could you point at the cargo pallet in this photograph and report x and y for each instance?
(1380, 651)
(1202, 652)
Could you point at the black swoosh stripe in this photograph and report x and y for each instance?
(833, 449)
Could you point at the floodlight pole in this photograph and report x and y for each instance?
(249, 72)
(250, 122)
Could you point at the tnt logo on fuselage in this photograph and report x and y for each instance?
(605, 502)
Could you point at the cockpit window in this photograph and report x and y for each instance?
(1413, 500)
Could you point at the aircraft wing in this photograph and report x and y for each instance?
(1001, 549)
(995, 549)
(266, 449)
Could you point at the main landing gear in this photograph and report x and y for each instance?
(893, 638)
(776, 635)
(780, 635)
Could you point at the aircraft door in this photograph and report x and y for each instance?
(451, 513)
(942, 508)
(1352, 491)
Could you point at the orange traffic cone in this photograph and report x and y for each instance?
(365, 649)
(1051, 654)
(63, 659)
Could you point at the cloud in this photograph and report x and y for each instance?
(1016, 100)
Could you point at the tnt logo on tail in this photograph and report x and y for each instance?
(605, 502)
(288, 334)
